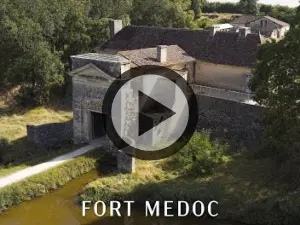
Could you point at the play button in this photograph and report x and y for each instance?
(151, 109)
(147, 122)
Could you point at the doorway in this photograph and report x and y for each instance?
(98, 125)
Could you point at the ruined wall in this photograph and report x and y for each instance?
(50, 135)
(237, 123)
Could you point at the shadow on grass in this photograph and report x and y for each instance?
(139, 218)
(21, 151)
(246, 190)
(106, 165)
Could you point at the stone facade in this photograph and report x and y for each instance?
(125, 162)
(50, 135)
(91, 78)
(265, 25)
(269, 28)
(88, 96)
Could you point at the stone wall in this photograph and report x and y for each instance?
(221, 76)
(88, 95)
(50, 135)
(238, 123)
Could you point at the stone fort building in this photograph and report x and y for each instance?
(216, 59)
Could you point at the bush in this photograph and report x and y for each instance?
(200, 156)
(204, 23)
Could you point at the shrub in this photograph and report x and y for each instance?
(199, 156)
(204, 23)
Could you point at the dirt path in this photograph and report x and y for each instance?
(28, 172)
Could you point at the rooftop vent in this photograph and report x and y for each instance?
(244, 31)
(115, 26)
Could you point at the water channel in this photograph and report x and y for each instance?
(59, 208)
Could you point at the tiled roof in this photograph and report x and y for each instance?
(279, 22)
(224, 48)
(245, 19)
(148, 56)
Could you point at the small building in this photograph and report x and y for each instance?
(265, 25)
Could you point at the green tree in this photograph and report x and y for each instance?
(53, 30)
(157, 13)
(38, 69)
(116, 9)
(249, 7)
(196, 7)
(276, 85)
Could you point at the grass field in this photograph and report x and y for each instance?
(15, 151)
(217, 18)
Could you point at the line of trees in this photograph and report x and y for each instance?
(283, 13)
(38, 36)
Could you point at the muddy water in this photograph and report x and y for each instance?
(59, 208)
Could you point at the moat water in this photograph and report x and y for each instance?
(60, 208)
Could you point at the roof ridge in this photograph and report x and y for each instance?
(183, 29)
(275, 20)
(157, 27)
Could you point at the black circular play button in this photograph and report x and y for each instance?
(152, 112)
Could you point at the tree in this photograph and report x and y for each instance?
(116, 9)
(249, 6)
(37, 69)
(38, 37)
(157, 13)
(276, 85)
(196, 7)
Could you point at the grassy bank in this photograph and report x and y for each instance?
(246, 188)
(50, 180)
(15, 151)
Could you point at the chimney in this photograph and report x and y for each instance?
(162, 53)
(213, 30)
(244, 31)
(115, 26)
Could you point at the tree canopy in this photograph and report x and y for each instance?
(276, 85)
(57, 29)
(249, 7)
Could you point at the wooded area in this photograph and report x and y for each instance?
(38, 36)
